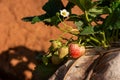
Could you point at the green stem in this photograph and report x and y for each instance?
(80, 39)
(92, 44)
(86, 15)
(64, 32)
(87, 18)
(62, 21)
(95, 39)
(104, 41)
(61, 29)
(66, 28)
(108, 37)
(117, 34)
(65, 25)
(104, 38)
(112, 37)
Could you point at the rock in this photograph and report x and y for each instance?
(75, 69)
(79, 68)
(60, 73)
(91, 67)
(108, 67)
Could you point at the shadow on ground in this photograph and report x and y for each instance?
(18, 63)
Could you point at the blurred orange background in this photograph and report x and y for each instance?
(19, 40)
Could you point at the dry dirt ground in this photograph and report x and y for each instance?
(20, 41)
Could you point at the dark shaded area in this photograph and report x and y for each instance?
(10, 69)
(7, 76)
(43, 72)
(53, 6)
(50, 17)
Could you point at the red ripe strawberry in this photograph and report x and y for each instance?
(76, 50)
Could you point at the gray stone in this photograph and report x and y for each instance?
(108, 67)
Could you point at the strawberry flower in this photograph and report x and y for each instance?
(64, 13)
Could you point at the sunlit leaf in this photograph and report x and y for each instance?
(87, 30)
(35, 19)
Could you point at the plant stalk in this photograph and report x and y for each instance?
(104, 41)
(94, 39)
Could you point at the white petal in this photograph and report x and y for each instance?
(64, 13)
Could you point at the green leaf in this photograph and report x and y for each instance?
(45, 60)
(94, 12)
(113, 20)
(27, 19)
(79, 25)
(108, 3)
(53, 6)
(83, 4)
(87, 30)
(87, 4)
(117, 24)
(100, 10)
(35, 19)
(69, 6)
(77, 2)
(52, 20)
(73, 17)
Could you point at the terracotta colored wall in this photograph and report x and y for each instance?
(19, 40)
(15, 32)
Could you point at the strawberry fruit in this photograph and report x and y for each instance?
(55, 59)
(75, 50)
(56, 44)
(63, 51)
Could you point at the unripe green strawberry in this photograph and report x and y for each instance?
(56, 44)
(63, 51)
(55, 59)
(76, 50)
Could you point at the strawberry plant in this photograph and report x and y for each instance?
(104, 31)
